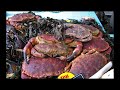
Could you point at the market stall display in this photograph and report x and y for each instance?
(38, 47)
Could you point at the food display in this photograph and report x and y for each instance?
(44, 48)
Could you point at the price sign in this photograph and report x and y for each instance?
(66, 75)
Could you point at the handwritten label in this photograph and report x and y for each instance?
(66, 75)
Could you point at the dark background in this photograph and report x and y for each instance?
(107, 20)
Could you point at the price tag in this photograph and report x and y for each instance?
(66, 75)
